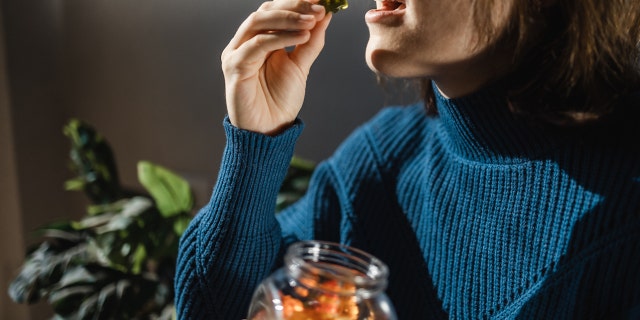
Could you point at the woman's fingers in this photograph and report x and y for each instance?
(305, 54)
(280, 15)
(265, 84)
(261, 22)
(276, 25)
(251, 54)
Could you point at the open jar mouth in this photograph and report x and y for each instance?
(336, 268)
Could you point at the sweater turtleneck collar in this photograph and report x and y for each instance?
(480, 127)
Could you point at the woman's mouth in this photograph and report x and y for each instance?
(389, 5)
(387, 12)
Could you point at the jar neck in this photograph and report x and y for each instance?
(336, 268)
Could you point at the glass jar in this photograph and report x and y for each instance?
(324, 280)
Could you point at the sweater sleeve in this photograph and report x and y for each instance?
(234, 241)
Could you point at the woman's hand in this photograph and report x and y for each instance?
(265, 84)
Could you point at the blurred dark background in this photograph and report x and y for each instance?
(147, 75)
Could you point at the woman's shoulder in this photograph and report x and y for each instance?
(392, 133)
(398, 117)
(381, 143)
(397, 128)
(394, 124)
(391, 122)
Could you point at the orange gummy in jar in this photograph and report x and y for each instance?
(324, 280)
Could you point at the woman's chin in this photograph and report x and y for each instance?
(388, 63)
(380, 61)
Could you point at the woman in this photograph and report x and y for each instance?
(513, 191)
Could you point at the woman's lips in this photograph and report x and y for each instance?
(387, 4)
(386, 12)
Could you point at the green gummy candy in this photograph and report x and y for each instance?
(334, 5)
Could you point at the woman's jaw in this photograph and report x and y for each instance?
(452, 79)
(435, 40)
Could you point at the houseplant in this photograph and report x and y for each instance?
(118, 261)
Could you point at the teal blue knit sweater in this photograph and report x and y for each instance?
(478, 213)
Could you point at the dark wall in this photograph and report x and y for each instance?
(32, 41)
(147, 74)
(11, 246)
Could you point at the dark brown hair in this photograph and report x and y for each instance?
(572, 58)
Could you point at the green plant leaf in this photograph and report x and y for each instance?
(70, 237)
(98, 292)
(93, 162)
(93, 292)
(98, 209)
(130, 210)
(168, 313)
(114, 216)
(66, 301)
(75, 184)
(171, 193)
(26, 287)
(92, 221)
(139, 257)
(59, 229)
(295, 183)
(118, 261)
(181, 224)
(302, 164)
(42, 269)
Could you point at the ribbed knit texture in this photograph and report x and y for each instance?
(479, 215)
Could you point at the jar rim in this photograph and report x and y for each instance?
(331, 260)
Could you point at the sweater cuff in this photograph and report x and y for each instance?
(253, 168)
(259, 148)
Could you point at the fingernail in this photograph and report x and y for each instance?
(307, 17)
(317, 8)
